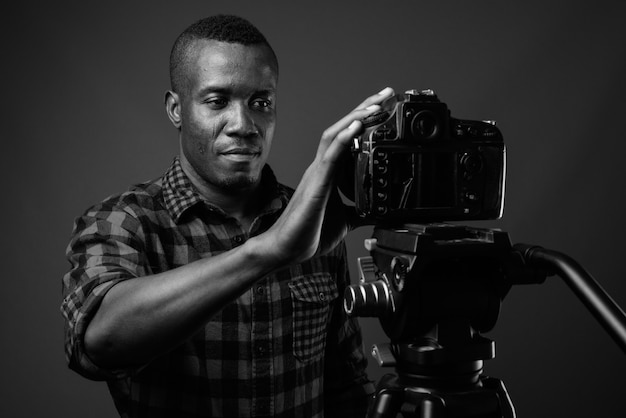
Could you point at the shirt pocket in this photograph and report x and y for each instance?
(311, 299)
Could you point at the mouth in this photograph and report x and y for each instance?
(241, 154)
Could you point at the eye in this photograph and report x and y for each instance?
(216, 102)
(262, 103)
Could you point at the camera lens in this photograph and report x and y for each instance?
(425, 125)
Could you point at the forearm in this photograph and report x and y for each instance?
(142, 318)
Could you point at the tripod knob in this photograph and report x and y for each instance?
(371, 299)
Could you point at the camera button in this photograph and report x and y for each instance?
(471, 196)
(381, 210)
(472, 163)
(388, 134)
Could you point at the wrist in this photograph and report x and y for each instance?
(261, 253)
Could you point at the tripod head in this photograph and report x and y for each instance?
(421, 275)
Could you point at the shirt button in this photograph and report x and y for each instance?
(238, 239)
(260, 290)
(322, 296)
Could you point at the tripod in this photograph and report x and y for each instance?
(435, 289)
(441, 378)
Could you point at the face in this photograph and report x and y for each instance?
(226, 113)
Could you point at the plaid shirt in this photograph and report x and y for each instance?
(283, 348)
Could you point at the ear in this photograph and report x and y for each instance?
(172, 108)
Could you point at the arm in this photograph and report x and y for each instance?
(142, 318)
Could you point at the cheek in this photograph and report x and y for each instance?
(269, 134)
(202, 132)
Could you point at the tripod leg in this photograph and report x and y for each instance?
(392, 399)
(388, 398)
(476, 403)
(497, 385)
(423, 406)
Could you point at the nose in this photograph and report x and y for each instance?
(240, 121)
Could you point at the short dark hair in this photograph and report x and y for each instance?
(224, 28)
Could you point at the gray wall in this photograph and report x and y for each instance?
(84, 119)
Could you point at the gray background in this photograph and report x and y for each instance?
(84, 118)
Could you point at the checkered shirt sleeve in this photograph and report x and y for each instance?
(103, 251)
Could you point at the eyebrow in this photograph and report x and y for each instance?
(227, 91)
(214, 89)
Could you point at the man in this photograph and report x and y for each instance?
(215, 290)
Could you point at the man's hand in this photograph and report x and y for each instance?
(311, 224)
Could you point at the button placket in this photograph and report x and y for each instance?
(262, 348)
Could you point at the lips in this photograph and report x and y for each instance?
(241, 151)
(241, 154)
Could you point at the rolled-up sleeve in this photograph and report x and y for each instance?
(104, 249)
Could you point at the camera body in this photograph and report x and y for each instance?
(415, 163)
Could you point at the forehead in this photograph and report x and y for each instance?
(219, 64)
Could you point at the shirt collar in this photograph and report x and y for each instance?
(180, 195)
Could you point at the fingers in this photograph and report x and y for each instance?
(343, 138)
(367, 107)
(376, 98)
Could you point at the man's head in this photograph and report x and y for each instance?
(224, 76)
(223, 28)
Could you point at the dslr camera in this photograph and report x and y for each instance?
(416, 163)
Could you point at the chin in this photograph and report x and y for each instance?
(239, 182)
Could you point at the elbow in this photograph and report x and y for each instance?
(93, 357)
(98, 346)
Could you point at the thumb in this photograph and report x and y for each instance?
(354, 220)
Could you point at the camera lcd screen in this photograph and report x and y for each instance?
(423, 180)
